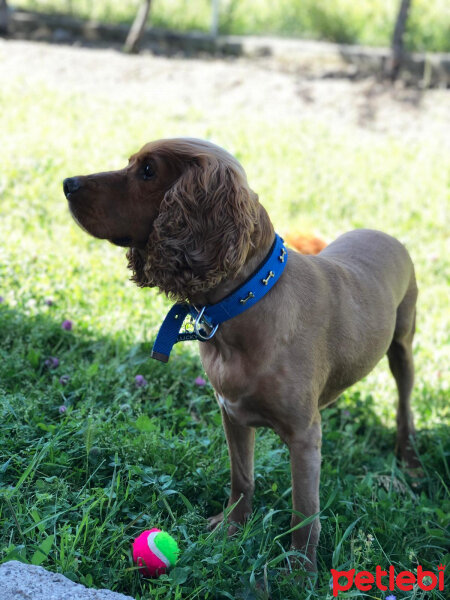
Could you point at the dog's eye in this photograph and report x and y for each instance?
(148, 172)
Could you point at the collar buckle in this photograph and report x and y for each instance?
(199, 323)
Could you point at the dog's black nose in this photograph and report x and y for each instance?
(71, 185)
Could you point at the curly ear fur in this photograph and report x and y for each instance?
(203, 232)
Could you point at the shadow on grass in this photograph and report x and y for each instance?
(37, 352)
(48, 368)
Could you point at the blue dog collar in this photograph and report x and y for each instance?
(205, 321)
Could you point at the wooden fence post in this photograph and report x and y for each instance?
(137, 29)
(397, 47)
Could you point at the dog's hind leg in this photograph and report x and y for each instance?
(402, 367)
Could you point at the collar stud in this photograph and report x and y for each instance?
(247, 298)
(269, 275)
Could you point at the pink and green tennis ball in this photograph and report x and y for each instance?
(155, 551)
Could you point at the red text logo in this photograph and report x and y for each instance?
(387, 580)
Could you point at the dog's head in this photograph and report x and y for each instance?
(184, 209)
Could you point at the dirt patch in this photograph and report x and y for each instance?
(221, 87)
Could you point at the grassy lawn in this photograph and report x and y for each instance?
(369, 22)
(78, 484)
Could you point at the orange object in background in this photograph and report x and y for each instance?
(304, 243)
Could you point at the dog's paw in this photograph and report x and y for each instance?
(215, 521)
(407, 455)
(408, 458)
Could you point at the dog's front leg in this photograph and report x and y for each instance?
(304, 448)
(241, 443)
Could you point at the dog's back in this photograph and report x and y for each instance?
(373, 254)
(371, 290)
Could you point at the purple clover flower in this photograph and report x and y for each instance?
(391, 597)
(52, 362)
(64, 379)
(140, 381)
(1, 299)
(49, 301)
(67, 325)
(200, 381)
(62, 409)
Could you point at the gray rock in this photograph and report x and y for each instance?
(27, 582)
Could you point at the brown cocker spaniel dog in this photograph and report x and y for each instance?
(196, 231)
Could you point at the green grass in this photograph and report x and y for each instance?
(77, 487)
(369, 22)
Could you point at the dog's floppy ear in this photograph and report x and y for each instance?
(203, 232)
